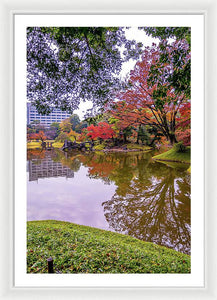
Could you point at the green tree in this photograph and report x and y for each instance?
(81, 126)
(68, 64)
(143, 135)
(65, 126)
(55, 126)
(62, 137)
(54, 129)
(163, 33)
(74, 120)
(180, 79)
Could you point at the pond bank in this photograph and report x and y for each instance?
(174, 156)
(144, 149)
(83, 249)
(99, 147)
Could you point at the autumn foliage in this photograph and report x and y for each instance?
(102, 130)
(183, 127)
(37, 136)
(154, 107)
(150, 98)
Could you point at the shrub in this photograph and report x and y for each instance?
(99, 147)
(179, 147)
(62, 137)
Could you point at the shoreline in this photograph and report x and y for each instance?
(171, 160)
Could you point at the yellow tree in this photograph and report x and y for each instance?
(65, 126)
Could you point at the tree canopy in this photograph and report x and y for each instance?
(66, 65)
(151, 98)
(180, 78)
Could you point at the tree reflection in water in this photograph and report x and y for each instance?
(159, 212)
(151, 201)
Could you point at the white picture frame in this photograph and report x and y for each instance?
(7, 252)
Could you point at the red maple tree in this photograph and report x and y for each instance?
(183, 127)
(102, 130)
(150, 100)
(37, 136)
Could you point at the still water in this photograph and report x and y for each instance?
(122, 192)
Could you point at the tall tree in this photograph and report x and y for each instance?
(65, 125)
(68, 64)
(74, 120)
(180, 78)
(151, 98)
(55, 126)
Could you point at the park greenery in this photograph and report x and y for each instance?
(81, 249)
(106, 136)
(67, 64)
(149, 109)
(142, 185)
(152, 106)
(179, 153)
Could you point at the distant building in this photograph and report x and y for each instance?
(55, 116)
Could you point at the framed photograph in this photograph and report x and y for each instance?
(100, 205)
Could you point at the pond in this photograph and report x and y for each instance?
(127, 193)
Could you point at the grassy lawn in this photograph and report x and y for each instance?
(173, 155)
(36, 145)
(57, 145)
(81, 249)
(33, 145)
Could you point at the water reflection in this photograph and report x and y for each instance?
(44, 164)
(149, 200)
(156, 211)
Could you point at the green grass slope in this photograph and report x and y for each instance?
(175, 156)
(81, 249)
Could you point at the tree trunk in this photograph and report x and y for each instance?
(137, 140)
(125, 138)
(172, 138)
